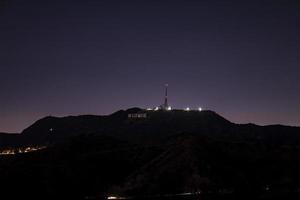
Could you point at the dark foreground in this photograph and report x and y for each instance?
(166, 153)
(211, 196)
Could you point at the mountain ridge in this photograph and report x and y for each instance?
(162, 153)
(156, 126)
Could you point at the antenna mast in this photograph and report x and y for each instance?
(166, 97)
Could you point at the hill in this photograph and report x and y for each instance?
(157, 126)
(163, 154)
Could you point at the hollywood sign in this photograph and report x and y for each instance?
(137, 115)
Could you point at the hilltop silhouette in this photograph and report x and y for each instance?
(160, 153)
(157, 126)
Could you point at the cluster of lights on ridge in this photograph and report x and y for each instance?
(170, 108)
(165, 106)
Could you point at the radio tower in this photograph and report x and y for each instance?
(166, 106)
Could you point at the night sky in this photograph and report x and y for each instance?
(240, 59)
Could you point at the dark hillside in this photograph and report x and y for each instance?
(161, 153)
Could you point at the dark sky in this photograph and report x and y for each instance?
(240, 59)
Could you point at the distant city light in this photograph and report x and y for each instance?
(187, 109)
(112, 198)
(116, 197)
(149, 108)
(200, 109)
(169, 108)
(21, 150)
(156, 108)
(267, 188)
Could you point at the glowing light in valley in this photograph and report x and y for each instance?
(169, 108)
(200, 109)
(187, 109)
(116, 197)
(155, 196)
(149, 109)
(112, 197)
(20, 150)
(156, 108)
